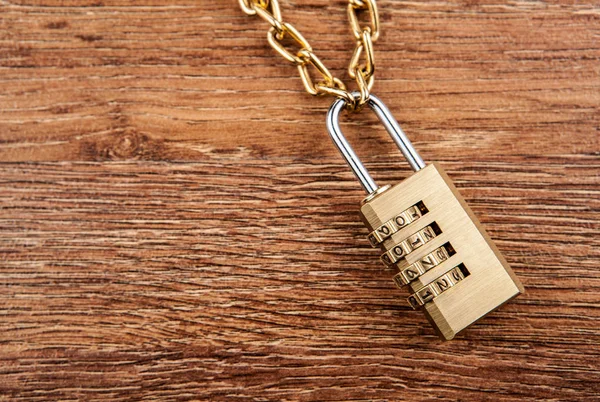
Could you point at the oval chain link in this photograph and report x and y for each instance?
(304, 57)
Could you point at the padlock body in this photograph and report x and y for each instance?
(440, 251)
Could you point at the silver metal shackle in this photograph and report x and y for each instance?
(392, 127)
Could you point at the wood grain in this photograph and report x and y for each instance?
(175, 224)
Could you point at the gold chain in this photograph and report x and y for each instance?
(305, 58)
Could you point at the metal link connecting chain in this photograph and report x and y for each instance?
(305, 58)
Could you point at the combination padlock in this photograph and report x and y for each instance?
(453, 270)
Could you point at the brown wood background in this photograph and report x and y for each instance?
(176, 225)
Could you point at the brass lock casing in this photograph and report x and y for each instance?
(454, 272)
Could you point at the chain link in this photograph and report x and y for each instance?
(304, 57)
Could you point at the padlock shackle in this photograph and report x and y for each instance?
(392, 127)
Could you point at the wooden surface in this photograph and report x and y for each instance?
(176, 225)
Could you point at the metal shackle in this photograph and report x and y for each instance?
(391, 125)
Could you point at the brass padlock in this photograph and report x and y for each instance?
(454, 272)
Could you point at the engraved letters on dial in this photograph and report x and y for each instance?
(442, 284)
(426, 294)
(426, 263)
(413, 301)
(413, 242)
(437, 287)
(400, 221)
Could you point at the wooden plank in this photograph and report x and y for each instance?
(120, 79)
(240, 280)
(176, 225)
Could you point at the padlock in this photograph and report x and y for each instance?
(454, 272)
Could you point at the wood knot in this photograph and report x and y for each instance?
(57, 25)
(125, 144)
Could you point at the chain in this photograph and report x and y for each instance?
(362, 63)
